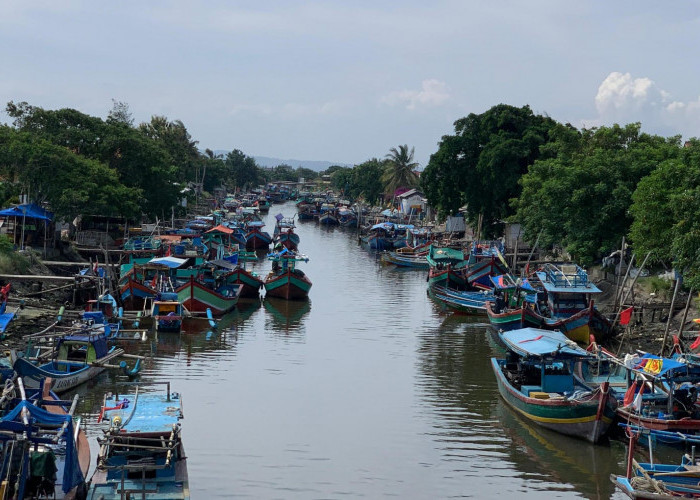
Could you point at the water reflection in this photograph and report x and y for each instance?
(553, 461)
(287, 315)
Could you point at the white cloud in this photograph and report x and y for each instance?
(433, 93)
(619, 91)
(622, 98)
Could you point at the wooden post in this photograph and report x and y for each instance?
(617, 274)
(515, 253)
(685, 313)
(624, 280)
(622, 302)
(670, 315)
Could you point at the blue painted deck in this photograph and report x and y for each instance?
(150, 413)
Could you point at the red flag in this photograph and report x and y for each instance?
(629, 395)
(695, 344)
(626, 316)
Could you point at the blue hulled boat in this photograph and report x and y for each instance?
(142, 452)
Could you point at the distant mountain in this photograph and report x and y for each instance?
(317, 165)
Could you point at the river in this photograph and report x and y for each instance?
(367, 390)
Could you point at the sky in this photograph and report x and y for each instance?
(345, 81)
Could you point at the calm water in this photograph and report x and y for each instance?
(368, 390)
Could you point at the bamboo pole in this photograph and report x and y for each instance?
(670, 315)
(624, 280)
(617, 315)
(685, 312)
(617, 274)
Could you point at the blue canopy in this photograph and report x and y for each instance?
(540, 343)
(72, 476)
(171, 262)
(28, 210)
(387, 226)
(657, 366)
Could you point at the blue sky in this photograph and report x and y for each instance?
(346, 81)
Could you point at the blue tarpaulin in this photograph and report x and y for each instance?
(28, 210)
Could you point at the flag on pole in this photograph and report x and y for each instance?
(629, 395)
(626, 316)
(695, 344)
(638, 400)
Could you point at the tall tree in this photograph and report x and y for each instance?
(480, 164)
(244, 171)
(581, 197)
(399, 170)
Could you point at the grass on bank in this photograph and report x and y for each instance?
(11, 262)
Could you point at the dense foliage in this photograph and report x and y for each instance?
(79, 163)
(361, 182)
(480, 165)
(580, 195)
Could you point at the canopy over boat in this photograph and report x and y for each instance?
(386, 226)
(651, 365)
(171, 262)
(220, 229)
(566, 278)
(445, 254)
(535, 342)
(505, 282)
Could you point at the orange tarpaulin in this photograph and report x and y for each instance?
(220, 229)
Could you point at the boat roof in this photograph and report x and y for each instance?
(171, 262)
(566, 278)
(446, 253)
(540, 343)
(656, 366)
(150, 413)
(506, 282)
(220, 229)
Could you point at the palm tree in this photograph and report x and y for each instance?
(399, 170)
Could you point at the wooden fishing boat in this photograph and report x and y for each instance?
(198, 297)
(408, 260)
(446, 267)
(659, 480)
(38, 438)
(141, 454)
(537, 380)
(75, 357)
(654, 393)
(167, 312)
(328, 215)
(256, 238)
(285, 281)
(568, 304)
(472, 303)
(485, 260)
(558, 297)
(249, 281)
(379, 237)
(284, 233)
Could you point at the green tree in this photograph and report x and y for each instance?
(481, 164)
(70, 183)
(173, 137)
(663, 209)
(581, 198)
(366, 180)
(399, 170)
(244, 171)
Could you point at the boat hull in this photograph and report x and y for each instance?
(198, 298)
(62, 382)
(250, 283)
(589, 420)
(290, 285)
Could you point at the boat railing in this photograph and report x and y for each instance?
(566, 275)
